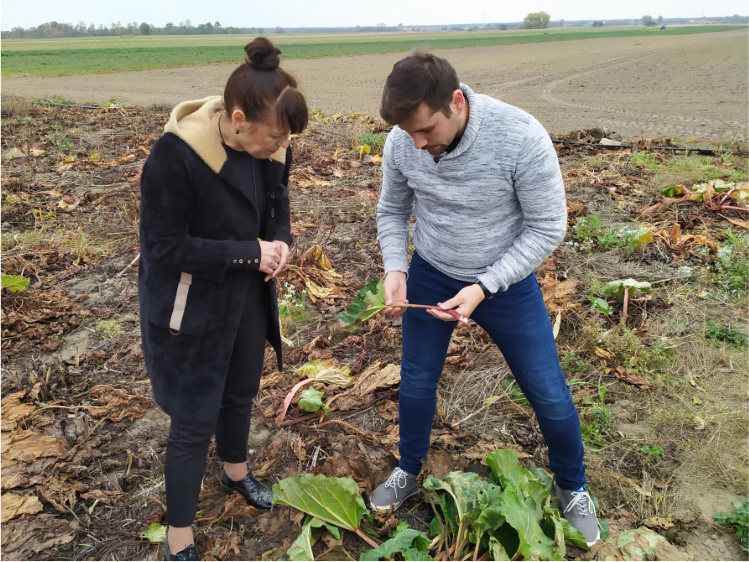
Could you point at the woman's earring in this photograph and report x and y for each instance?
(236, 131)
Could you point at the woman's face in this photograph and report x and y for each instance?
(261, 139)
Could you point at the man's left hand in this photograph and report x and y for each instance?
(466, 302)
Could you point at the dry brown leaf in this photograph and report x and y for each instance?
(26, 538)
(319, 341)
(388, 410)
(27, 446)
(227, 545)
(737, 222)
(632, 377)
(374, 378)
(13, 410)
(275, 379)
(109, 498)
(62, 492)
(14, 505)
(605, 353)
(557, 294)
(118, 404)
(319, 293)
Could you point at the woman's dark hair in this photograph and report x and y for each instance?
(418, 78)
(260, 85)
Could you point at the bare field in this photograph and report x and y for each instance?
(688, 87)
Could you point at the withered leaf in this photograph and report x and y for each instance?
(14, 505)
(13, 410)
(632, 377)
(25, 538)
(27, 446)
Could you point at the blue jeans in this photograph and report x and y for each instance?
(518, 322)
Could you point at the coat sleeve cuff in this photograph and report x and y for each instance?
(245, 255)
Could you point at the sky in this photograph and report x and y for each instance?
(339, 13)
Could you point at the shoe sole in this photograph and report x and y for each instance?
(598, 536)
(392, 506)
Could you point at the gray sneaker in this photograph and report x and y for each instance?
(578, 509)
(394, 491)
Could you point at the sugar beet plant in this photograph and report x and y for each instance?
(510, 515)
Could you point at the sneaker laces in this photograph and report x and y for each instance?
(583, 503)
(398, 479)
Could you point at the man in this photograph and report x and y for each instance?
(484, 182)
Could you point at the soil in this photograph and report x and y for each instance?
(83, 444)
(683, 86)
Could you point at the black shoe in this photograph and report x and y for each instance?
(253, 491)
(188, 553)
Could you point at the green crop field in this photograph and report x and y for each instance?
(102, 54)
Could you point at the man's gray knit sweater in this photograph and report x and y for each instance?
(492, 209)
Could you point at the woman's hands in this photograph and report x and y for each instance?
(273, 257)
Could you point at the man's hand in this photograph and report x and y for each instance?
(466, 300)
(395, 292)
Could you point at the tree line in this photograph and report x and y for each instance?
(53, 29)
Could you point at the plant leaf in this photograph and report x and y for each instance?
(506, 467)
(534, 544)
(616, 288)
(335, 500)
(404, 543)
(367, 303)
(327, 371)
(463, 488)
(302, 547)
(643, 236)
(155, 533)
(310, 400)
(673, 192)
(600, 304)
(14, 283)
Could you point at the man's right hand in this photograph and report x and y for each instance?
(395, 292)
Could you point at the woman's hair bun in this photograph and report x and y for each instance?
(262, 54)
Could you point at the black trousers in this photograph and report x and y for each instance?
(187, 446)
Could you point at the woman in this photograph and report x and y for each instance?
(214, 234)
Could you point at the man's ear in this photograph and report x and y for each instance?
(458, 101)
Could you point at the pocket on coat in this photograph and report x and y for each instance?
(185, 309)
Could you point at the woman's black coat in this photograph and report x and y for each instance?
(199, 245)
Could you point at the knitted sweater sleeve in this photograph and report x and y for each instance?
(540, 191)
(394, 208)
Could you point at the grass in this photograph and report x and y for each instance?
(101, 54)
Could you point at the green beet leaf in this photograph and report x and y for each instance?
(155, 533)
(507, 468)
(310, 400)
(302, 547)
(410, 543)
(335, 500)
(600, 304)
(14, 283)
(617, 288)
(464, 489)
(369, 302)
(534, 544)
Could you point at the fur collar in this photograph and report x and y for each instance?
(192, 122)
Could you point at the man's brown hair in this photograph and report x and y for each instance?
(418, 78)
